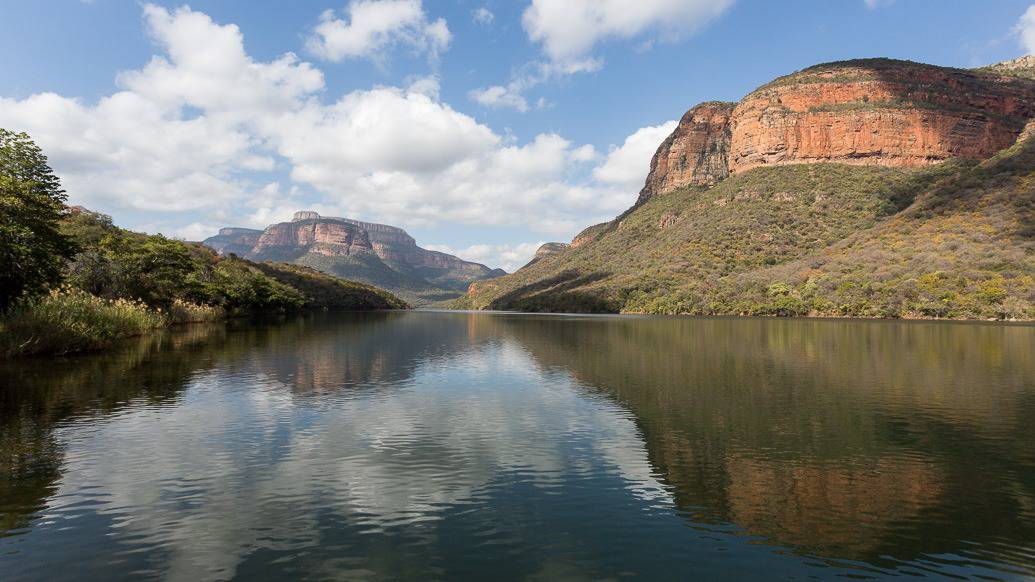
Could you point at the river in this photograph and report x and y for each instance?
(460, 446)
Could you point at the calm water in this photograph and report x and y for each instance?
(497, 447)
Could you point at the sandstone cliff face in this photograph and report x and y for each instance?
(322, 237)
(879, 114)
(869, 112)
(697, 152)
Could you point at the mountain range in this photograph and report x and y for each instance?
(872, 188)
(376, 254)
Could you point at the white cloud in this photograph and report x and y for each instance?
(195, 128)
(507, 257)
(569, 30)
(372, 26)
(1025, 29)
(499, 96)
(139, 147)
(626, 165)
(527, 77)
(483, 16)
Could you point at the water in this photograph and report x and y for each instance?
(512, 447)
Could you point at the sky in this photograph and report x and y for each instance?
(483, 127)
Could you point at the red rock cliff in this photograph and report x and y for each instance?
(697, 152)
(870, 112)
(320, 236)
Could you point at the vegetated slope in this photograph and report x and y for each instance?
(964, 249)
(859, 193)
(115, 263)
(377, 254)
(821, 239)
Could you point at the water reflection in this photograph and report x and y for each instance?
(424, 445)
(859, 440)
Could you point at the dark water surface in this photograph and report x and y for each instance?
(510, 447)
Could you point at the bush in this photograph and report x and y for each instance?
(71, 320)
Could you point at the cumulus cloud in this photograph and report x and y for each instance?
(1025, 29)
(569, 30)
(140, 147)
(625, 165)
(372, 26)
(198, 126)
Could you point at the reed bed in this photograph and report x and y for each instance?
(70, 320)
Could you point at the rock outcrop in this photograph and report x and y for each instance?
(875, 112)
(696, 153)
(329, 237)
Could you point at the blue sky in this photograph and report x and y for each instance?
(483, 127)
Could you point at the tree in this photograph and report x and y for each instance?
(32, 249)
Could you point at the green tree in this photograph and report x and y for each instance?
(32, 249)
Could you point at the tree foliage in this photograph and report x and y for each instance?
(32, 250)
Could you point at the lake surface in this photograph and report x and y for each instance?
(461, 446)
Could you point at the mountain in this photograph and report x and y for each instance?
(377, 254)
(873, 188)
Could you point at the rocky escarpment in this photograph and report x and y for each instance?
(871, 188)
(396, 247)
(313, 235)
(378, 254)
(875, 112)
(696, 153)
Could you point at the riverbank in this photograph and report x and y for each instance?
(121, 284)
(71, 320)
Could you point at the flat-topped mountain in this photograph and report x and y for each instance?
(872, 112)
(871, 187)
(377, 254)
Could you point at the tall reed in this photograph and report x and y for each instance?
(70, 320)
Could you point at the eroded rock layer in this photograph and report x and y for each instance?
(317, 236)
(697, 152)
(875, 112)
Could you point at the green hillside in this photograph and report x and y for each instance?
(120, 283)
(956, 240)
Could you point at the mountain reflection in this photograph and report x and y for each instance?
(345, 445)
(859, 440)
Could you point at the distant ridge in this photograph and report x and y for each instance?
(377, 254)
